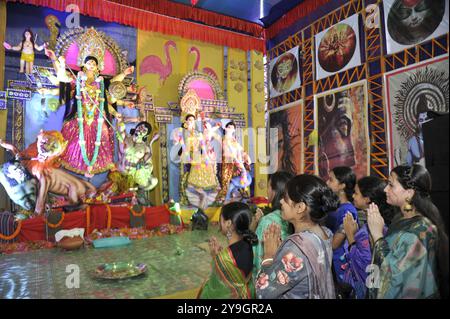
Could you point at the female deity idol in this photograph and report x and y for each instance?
(233, 163)
(202, 182)
(90, 140)
(186, 142)
(90, 148)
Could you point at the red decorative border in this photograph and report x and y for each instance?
(150, 21)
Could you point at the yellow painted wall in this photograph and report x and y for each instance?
(237, 81)
(237, 87)
(258, 119)
(151, 43)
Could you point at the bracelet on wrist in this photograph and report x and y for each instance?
(376, 241)
(266, 261)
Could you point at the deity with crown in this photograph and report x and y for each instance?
(87, 126)
(199, 181)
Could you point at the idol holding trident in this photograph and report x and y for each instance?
(90, 140)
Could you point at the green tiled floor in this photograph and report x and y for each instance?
(175, 263)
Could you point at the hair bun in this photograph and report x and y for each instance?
(329, 201)
(250, 237)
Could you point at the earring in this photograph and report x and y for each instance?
(408, 207)
(229, 234)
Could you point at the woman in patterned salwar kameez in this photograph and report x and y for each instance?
(231, 276)
(413, 256)
(300, 267)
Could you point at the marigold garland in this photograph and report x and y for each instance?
(88, 218)
(108, 223)
(136, 214)
(13, 235)
(57, 224)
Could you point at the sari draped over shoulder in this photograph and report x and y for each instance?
(407, 260)
(227, 281)
(301, 269)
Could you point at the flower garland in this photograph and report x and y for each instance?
(81, 139)
(88, 218)
(13, 235)
(137, 214)
(57, 224)
(108, 223)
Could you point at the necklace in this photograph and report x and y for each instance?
(81, 139)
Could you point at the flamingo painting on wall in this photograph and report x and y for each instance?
(205, 70)
(153, 64)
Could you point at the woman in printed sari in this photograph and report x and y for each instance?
(276, 188)
(300, 267)
(413, 255)
(231, 276)
(358, 253)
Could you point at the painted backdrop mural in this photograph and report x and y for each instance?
(341, 121)
(288, 120)
(411, 92)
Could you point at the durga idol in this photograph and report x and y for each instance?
(90, 139)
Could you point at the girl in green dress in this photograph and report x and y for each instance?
(276, 188)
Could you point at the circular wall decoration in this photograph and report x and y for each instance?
(259, 107)
(337, 47)
(412, 21)
(234, 76)
(238, 87)
(284, 72)
(259, 65)
(426, 90)
(259, 87)
(262, 184)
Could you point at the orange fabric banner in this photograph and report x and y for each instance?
(150, 21)
(182, 11)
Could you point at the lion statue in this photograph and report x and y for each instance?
(41, 160)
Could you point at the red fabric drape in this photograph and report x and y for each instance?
(300, 11)
(34, 229)
(182, 11)
(150, 21)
